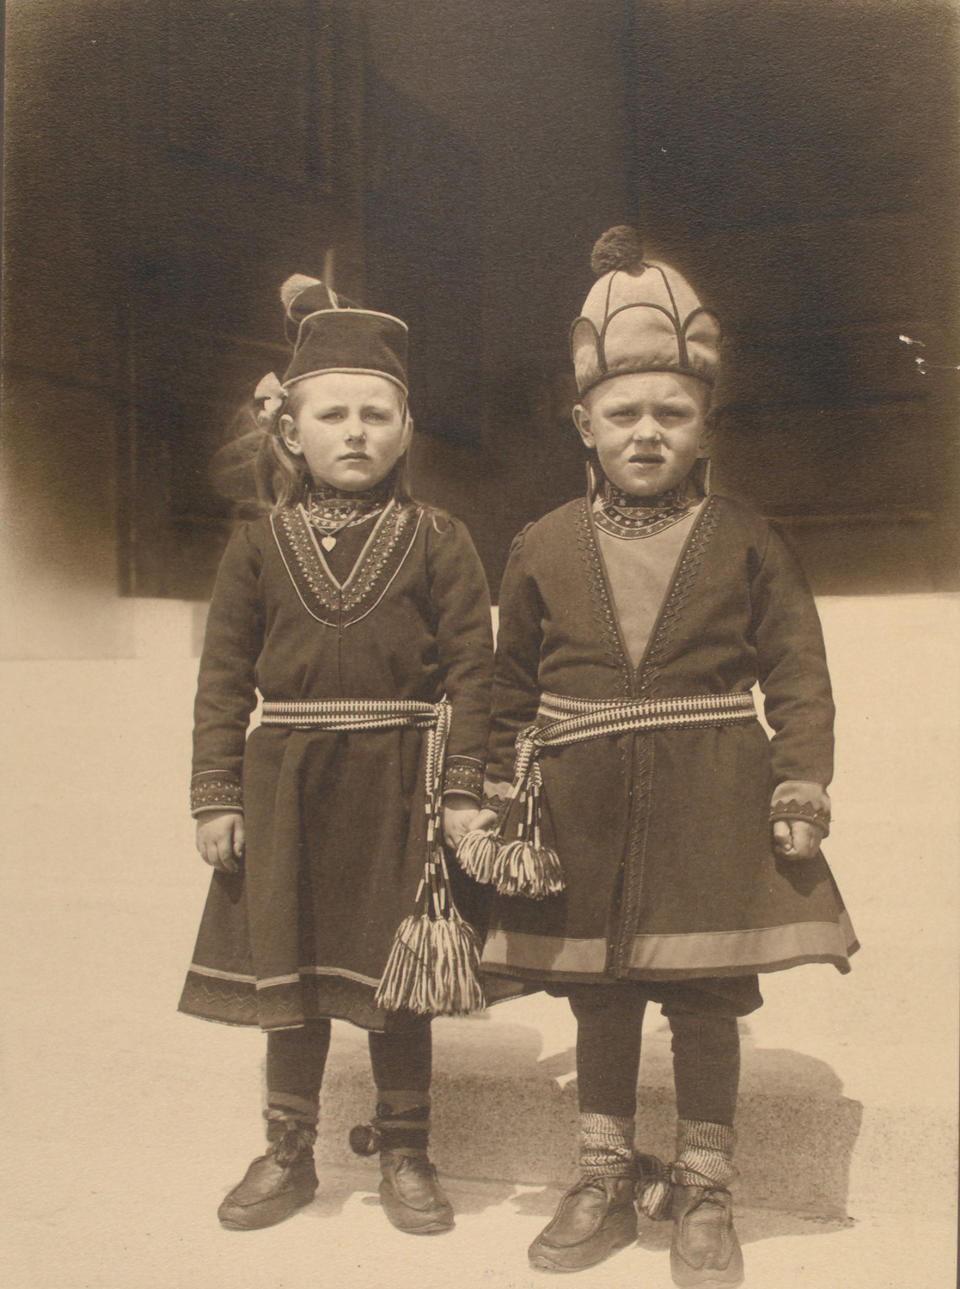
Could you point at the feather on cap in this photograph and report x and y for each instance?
(331, 334)
(293, 286)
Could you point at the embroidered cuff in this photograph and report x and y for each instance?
(463, 774)
(214, 790)
(798, 799)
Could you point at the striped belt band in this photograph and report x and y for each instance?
(562, 720)
(338, 714)
(524, 865)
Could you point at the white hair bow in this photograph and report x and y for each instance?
(269, 397)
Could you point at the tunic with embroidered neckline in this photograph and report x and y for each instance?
(664, 836)
(335, 822)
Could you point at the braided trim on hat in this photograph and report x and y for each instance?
(364, 313)
(353, 371)
(645, 367)
(642, 304)
(682, 367)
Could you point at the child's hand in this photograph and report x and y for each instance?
(796, 839)
(220, 839)
(459, 816)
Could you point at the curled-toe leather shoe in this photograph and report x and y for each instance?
(411, 1196)
(705, 1249)
(276, 1184)
(594, 1219)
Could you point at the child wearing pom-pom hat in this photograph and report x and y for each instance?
(362, 619)
(649, 842)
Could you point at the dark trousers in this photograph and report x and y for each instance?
(400, 1060)
(705, 1044)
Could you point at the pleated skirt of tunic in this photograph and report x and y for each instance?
(335, 848)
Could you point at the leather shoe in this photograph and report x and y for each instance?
(270, 1191)
(594, 1219)
(411, 1195)
(705, 1249)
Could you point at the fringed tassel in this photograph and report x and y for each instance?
(654, 1187)
(433, 968)
(525, 866)
(458, 990)
(477, 854)
(529, 870)
(400, 984)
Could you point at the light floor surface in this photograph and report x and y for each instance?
(164, 1237)
(125, 1123)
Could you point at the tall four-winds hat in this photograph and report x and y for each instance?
(640, 315)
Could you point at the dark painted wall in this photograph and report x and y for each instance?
(798, 160)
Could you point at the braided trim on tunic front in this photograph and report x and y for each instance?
(610, 632)
(376, 567)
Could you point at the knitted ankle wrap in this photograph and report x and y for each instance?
(606, 1145)
(704, 1154)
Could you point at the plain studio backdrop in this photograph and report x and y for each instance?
(167, 164)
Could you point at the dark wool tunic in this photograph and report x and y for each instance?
(664, 836)
(335, 822)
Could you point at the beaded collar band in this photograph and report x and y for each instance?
(330, 511)
(619, 514)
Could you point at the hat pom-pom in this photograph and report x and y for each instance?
(617, 248)
(295, 285)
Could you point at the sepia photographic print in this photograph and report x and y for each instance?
(481, 598)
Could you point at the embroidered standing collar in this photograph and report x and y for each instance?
(619, 514)
(330, 510)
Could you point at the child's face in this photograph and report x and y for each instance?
(350, 428)
(648, 429)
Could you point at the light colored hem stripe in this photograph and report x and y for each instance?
(520, 949)
(271, 981)
(702, 951)
(221, 975)
(722, 949)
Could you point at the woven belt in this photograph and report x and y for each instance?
(523, 865)
(562, 720)
(338, 714)
(433, 967)
(575, 720)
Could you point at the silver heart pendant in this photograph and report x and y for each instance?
(328, 543)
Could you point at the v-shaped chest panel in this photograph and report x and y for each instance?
(639, 573)
(329, 601)
(639, 679)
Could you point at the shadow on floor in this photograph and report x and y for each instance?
(502, 1112)
(752, 1224)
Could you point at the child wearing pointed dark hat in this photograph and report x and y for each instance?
(650, 843)
(361, 618)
